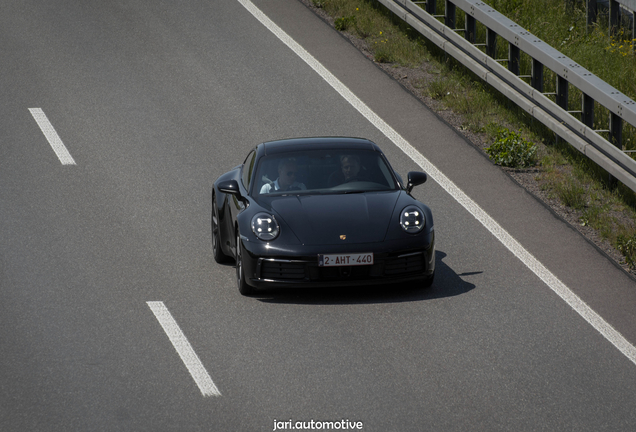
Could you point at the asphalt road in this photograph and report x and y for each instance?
(155, 100)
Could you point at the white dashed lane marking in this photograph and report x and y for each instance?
(184, 349)
(51, 135)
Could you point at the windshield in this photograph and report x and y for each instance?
(323, 172)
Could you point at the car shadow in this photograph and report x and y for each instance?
(447, 284)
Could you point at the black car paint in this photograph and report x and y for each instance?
(303, 236)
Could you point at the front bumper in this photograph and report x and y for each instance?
(402, 260)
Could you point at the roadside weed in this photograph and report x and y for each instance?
(627, 246)
(512, 150)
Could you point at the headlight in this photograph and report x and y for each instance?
(265, 226)
(412, 219)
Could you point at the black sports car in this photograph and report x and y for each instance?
(321, 212)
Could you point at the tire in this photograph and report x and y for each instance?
(243, 287)
(217, 251)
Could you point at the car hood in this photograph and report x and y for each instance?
(337, 219)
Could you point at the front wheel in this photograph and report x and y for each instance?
(217, 251)
(243, 287)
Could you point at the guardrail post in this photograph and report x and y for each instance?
(615, 137)
(634, 30)
(587, 111)
(491, 43)
(562, 92)
(450, 14)
(514, 58)
(591, 11)
(471, 29)
(615, 14)
(431, 6)
(537, 75)
(616, 131)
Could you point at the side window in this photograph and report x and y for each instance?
(248, 169)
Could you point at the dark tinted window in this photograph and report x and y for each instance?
(324, 172)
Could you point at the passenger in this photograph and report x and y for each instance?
(350, 168)
(286, 181)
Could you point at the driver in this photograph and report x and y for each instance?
(350, 165)
(287, 171)
(349, 170)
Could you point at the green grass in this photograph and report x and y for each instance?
(565, 173)
(571, 193)
(391, 41)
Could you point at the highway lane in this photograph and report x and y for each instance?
(154, 101)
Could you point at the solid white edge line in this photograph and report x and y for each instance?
(183, 347)
(52, 137)
(594, 319)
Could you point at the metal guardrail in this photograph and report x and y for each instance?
(530, 97)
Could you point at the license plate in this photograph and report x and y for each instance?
(337, 260)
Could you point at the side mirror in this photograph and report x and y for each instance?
(229, 187)
(415, 178)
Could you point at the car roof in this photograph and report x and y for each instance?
(317, 143)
